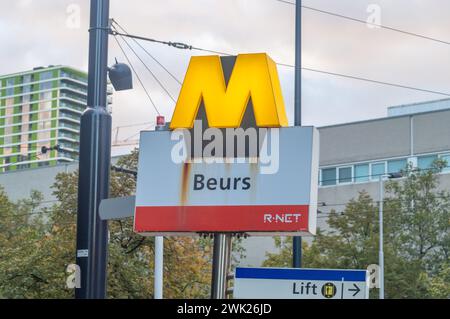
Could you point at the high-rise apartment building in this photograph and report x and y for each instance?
(40, 108)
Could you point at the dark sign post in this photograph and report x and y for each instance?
(95, 156)
(297, 241)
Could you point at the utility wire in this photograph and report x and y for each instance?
(137, 76)
(148, 53)
(135, 134)
(177, 45)
(133, 125)
(180, 45)
(148, 69)
(287, 2)
(370, 23)
(376, 81)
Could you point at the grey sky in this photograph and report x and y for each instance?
(36, 32)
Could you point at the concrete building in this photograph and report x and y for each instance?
(352, 157)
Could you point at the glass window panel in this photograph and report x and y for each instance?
(362, 173)
(46, 96)
(446, 158)
(345, 175)
(46, 85)
(395, 166)
(7, 140)
(43, 135)
(9, 88)
(45, 105)
(328, 176)
(378, 169)
(45, 115)
(425, 162)
(46, 75)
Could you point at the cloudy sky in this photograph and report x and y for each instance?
(42, 32)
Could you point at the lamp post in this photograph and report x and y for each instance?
(380, 216)
(95, 157)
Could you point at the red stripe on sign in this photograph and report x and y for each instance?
(274, 218)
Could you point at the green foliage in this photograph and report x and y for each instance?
(416, 238)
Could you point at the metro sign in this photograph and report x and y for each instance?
(254, 75)
(273, 193)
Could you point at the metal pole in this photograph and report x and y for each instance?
(159, 240)
(297, 241)
(94, 165)
(298, 64)
(221, 262)
(159, 266)
(381, 255)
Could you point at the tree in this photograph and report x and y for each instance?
(416, 237)
(420, 217)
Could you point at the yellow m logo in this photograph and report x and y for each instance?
(254, 75)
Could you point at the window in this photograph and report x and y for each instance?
(9, 88)
(46, 75)
(7, 140)
(44, 135)
(46, 85)
(345, 175)
(44, 125)
(45, 106)
(361, 173)
(46, 96)
(328, 176)
(446, 157)
(378, 169)
(425, 162)
(26, 89)
(395, 166)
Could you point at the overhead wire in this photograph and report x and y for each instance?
(135, 134)
(137, 76)
(148, 53)
(352, 77)
(148, 69)
(338, 15)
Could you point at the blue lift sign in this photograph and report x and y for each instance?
(292, 283)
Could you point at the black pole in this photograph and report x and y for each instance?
(95, 158)
(297, 240)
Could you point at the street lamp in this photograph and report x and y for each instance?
(95, 156)
(120, 76)
(380, 215)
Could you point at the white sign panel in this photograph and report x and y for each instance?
(294, 283)
(174, 197)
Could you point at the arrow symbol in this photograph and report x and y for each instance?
(356, 289)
